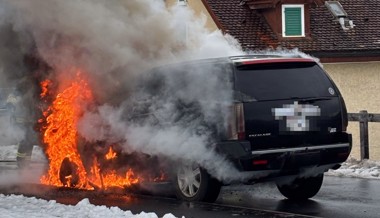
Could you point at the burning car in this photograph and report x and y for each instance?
(273, 117)
(287, 123)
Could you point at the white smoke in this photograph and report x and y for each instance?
(116, 41)
(179, 120)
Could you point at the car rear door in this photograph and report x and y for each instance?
(288, 104)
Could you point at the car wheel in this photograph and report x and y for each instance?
(193, 183)
(302, 188)
(68, 174)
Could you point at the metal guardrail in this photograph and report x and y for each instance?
(363, 117)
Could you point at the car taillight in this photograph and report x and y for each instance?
(260, 162)
(237, 125)
(344, 115)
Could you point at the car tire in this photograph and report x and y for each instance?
(68, 174)
(193, 183)
(301, 188)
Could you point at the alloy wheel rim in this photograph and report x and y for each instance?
(189, 180)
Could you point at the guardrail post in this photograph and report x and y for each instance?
(364, 139)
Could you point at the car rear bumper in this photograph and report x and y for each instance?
(286, 161)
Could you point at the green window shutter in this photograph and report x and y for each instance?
(293, 22)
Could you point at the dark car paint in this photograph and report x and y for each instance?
(285, 153)
(324, 146)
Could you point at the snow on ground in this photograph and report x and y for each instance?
(368, 169)
(8, 152)
(18, 206)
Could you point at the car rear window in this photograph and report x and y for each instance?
(273, 81)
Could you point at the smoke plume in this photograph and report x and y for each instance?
(115, 43)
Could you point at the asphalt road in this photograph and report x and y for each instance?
(339, 197)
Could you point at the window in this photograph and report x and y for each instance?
(295, 80)
(340, 14)
(336, 9)
(293, 21)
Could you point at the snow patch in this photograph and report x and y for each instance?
(8, 152)
(18, 206)
(38, 154)
(368, 169)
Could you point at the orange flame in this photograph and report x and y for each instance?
(111, 154)
(111, 178)
(60, 134)
(44, 87)
(60, 137)
(160, 178)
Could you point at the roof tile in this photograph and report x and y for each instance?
(253, 32)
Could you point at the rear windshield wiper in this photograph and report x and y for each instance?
(310, 99)
(241, 97)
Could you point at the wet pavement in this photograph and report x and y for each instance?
(338, 198)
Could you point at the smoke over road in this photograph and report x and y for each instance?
(114, 42)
